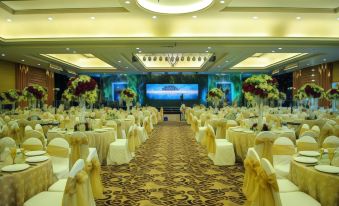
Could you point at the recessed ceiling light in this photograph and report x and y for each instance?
(206, 51)
(312, 75)
(280, 48)
(273, 51)
(255, 17)
(126, 67)
(22, 60)
(3, 54)
(222, 2)
(38, 64)
(50, 18)
(93, 17)
(209, 47)
(119, 61)
(226, 61)
(307, 64)
(313, 70)
(324, 60)
(9, 20)
(298, 18)
(67, 49)
(127, 2)
(154, 17)
(139, 51)
(137, 48)
(313, 80)
(194, 17)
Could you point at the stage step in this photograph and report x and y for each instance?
(171, 110)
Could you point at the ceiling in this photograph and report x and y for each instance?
(113, 32)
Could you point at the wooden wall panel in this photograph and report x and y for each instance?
(320, 74)
(26, 75)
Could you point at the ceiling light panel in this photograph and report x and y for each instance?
(81, 61)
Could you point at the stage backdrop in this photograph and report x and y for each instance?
(170, 90)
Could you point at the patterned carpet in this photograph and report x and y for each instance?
(170, 168)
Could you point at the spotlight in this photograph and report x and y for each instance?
(199, 59)
(193, 58)
(144, 58)
(149, 58)
(182, 58)
(205, 58)
(177, 59)
(166, 59)
(160, 58)
(154, 58)
(188, 58)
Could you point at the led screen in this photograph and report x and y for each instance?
(172, 91)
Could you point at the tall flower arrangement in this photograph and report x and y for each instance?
(82, 87)
(333, 95)
(11, 96)
(128, 95)
(35, 94)
(313, 92)
(261, 87)
(215, 95)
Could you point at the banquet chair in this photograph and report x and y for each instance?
(263, 144)
(331, 142)
(220, 151)
(310, 133)
(59, 149)
(93, 168)
(77, 191)
(304, 128)
(316, 129)
(79, 147)
(36, 134)
(230, 123)
(32, 144)
(147, 125)
(14, 131)
(289, 134)
(142, 133)
(28, 128)
(282, 150)
(4, 131)
(268, 190)
(252, 167)
(38, 128)
(119, 152)
(5, 143)
(307, 143)
(326, 130)
(195, 124)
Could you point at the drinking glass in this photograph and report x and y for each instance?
(321, 153)
(23, 153)
(13, 153)
(331, 154)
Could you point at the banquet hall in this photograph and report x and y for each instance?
(169, 103)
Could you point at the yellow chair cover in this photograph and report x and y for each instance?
(283, 150)
(222, 124)
(330, 145)
(267, 185)
(252, 167)
(57, 151)
(209, 140)
(79, 148)
(147, 127)
(133, 140)
(30, 147)
(307, 146)
(76, 191)
(267, 148)
(93, 169)
(326, 130)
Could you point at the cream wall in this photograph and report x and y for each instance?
(335, 72)
(7, 76)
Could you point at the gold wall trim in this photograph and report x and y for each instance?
(281, 9)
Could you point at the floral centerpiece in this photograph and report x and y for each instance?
(11, 96)
(333, 95)
(84, 88)
(313, 92)
(261, 87)
(128, 95)
(67, 95)
(35, 94)
(215, 95)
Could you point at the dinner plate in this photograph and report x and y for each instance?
(35, 153)
(15, 167)
(248, 131)
(327, 169)
(307, 160)
(309, 153)
(37, 159)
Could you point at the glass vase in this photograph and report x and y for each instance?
(334, 105)
(260, 110)
(128, 105)
(314, 104)
(82, 107)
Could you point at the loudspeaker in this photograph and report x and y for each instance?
(134, 59)
(212, 59)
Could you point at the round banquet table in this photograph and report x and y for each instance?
(99, 140)
(18, 187)
(321, 186)
(242, 140)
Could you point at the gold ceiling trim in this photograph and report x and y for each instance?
(281, 9)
